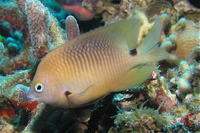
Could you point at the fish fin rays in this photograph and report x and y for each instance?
(129, 30)
(149, 46)
(135, 77)
(123, 34)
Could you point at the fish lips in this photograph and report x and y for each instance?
(31, 97)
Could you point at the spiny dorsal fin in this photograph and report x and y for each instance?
(123, 34)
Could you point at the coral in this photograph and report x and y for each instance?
(24, 59)
(178, 106)
(187, 37)
(6, 109)
(185, 77)
(51, 36)
(37, 17)
(159, 92)
(168, 101)
(139, 120)
(7, 128)
(187, 10)
(42, 26)
(18, 20)
(175, 94)
(71, 27)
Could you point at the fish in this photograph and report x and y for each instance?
(75, 7)
(70, 2)
(97, 63)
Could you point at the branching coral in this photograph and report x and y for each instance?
(44, 31)
(37, 17)
(167, 102)
(42, 25)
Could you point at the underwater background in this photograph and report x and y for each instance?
(167, 102)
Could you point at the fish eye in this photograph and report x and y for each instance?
(39, 87)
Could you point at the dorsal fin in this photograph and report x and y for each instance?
(149, 46)
(123, 34)
(152, 37)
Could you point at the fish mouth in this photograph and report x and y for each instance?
(31, 98)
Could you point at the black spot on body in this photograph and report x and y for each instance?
(133, 52)
(67, 93)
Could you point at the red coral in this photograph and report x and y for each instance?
(166, 101)
(7, 110)
(27, 105)
(188, 120)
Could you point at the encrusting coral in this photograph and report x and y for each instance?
(187, 37)
(140, 120)
(168, 101)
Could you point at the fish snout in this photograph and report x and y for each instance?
(31, 97)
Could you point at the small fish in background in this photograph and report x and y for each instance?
(194, 3)
(97, 63)
(70, 2)
(76, 8)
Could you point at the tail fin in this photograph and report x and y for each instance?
(149, 51)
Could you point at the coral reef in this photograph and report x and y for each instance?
(140, 120)
(168, 101)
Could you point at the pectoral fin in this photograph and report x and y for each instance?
(86, 97)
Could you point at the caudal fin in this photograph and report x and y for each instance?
(149, 51)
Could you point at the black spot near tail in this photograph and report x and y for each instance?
(133, 52)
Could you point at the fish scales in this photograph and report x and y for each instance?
(82, 61)
(97, 63)
(92, 60)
